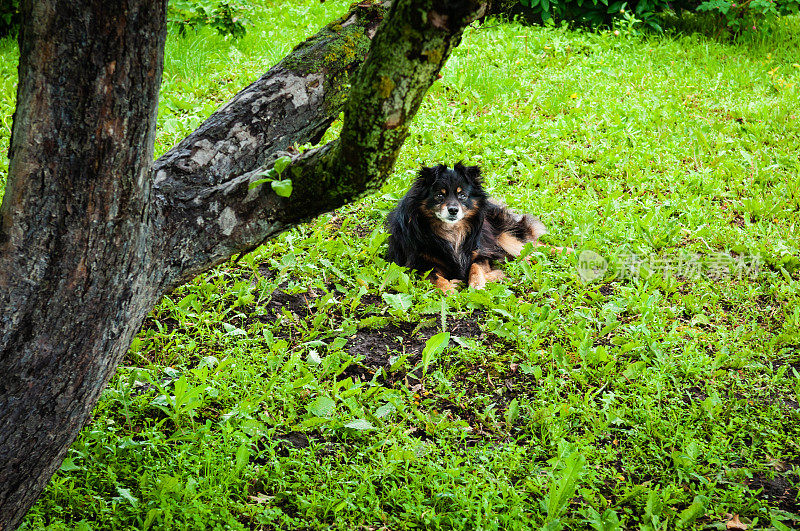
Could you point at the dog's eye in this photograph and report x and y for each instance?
(462, 196)
(439, 197)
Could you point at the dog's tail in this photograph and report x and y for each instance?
(535, 227)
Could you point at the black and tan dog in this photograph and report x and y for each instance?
(446, 224)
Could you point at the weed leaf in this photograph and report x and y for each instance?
(563, 488)
(695, 510)
(434, 346)
(283, 188)
(242, 457)
(360, 424)
(69, 466)
(322, 406)
(126, 494)
(398, 301)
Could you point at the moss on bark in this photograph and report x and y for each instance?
(337, 50)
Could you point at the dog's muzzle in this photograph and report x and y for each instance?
(450, 213)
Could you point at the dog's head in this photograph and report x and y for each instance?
(451, 195)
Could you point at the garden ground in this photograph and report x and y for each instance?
(652, 384)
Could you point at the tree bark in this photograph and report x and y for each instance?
(92, 232)
(74, 225)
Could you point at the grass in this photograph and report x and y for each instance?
(309, 385)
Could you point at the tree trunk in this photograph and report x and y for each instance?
(74, 231)
(92, 233)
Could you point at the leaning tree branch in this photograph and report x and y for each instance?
(224, 217)
(294, 103)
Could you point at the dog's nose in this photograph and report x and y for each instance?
(453, 210)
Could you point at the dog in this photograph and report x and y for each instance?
(447, 225)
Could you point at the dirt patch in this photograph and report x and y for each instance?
(693, 394)
(360, 230)
(793, 364)
(778, 491)
(294, 440)
(371, 300)
(167, 325)
(266, 272)
(791, 404)
(606, 289)
(373, 347)
(377, 345)
(301, 304)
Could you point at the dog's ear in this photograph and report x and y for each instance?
(427, 175)
(471, 173)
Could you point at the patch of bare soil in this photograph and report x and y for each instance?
(373, 347)
(693, 394)
(300, 304)
(376, 346)
(777, 491)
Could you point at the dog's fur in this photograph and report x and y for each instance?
(446, 224)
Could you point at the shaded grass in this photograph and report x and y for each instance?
(288, 390)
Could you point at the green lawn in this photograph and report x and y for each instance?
(294, 389)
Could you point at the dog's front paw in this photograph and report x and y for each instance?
(562, 250)
(447, 286)
(495, 275)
